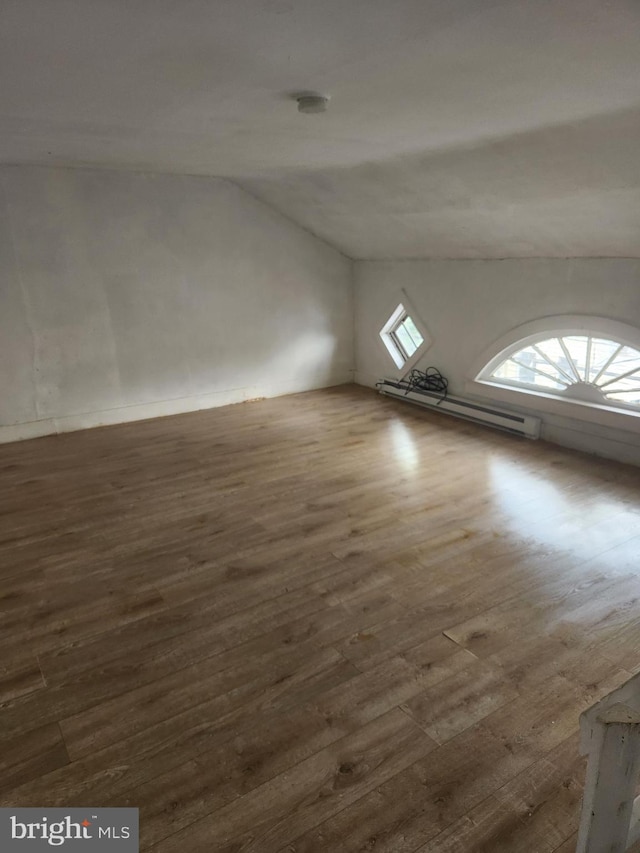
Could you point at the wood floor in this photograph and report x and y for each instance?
(329, 622)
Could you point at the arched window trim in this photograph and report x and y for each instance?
(612, 413)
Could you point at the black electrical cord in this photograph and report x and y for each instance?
(429, 380)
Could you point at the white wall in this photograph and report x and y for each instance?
(469, 305)
(126, 295)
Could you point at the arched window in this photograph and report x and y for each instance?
(586, 366)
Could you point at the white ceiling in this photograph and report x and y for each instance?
(457, 128)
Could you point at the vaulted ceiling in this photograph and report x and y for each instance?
(457, 128)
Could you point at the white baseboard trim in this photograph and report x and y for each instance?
(159, 409)
(593, 438)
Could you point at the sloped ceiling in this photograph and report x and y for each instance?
(456, 128)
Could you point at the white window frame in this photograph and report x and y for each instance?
(608, 413)
(402, 361)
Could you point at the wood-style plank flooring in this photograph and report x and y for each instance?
(328, 622)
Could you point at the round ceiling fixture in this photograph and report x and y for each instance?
(310, 103)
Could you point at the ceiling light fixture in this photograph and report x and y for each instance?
(311, 103)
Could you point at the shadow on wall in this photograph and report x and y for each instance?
(308, 360)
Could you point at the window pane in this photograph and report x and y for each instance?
(411, 327)
(401, 337)
(577, 346)
(545, 372)
(627, 359)
(405, 340)
(553, 350)
(507, 370)
(601, 352)
(623, 384)
(518, 371)
(408, 331)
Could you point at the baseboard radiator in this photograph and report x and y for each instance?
(525, 425)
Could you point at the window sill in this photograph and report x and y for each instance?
(541, 403)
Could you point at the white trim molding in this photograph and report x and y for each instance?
(162, 408)
(404, 306)
(605, 412)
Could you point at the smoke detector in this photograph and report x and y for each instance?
(311, 103)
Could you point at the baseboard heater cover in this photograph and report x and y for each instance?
(525, 425)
